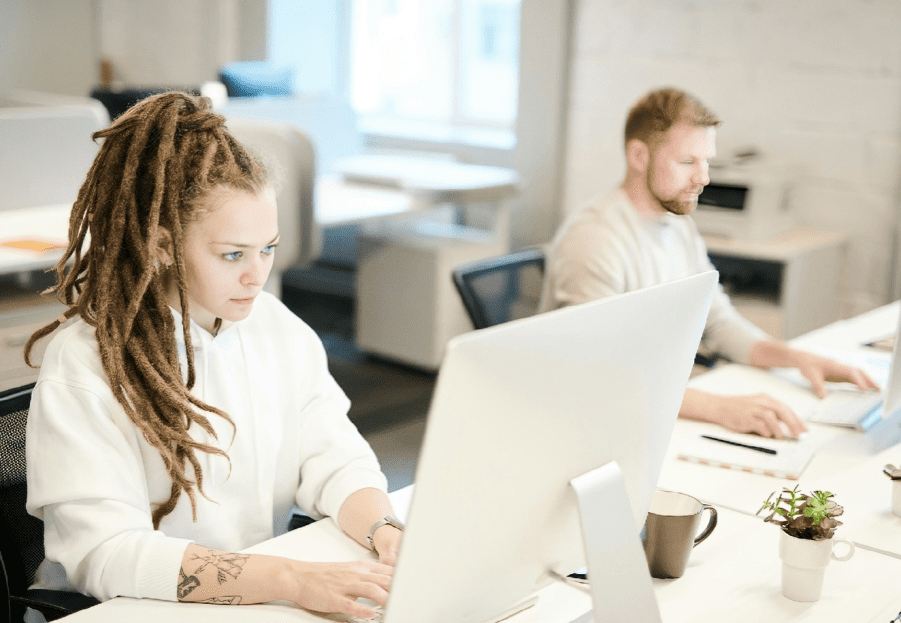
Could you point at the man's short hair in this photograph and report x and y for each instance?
(659, 110)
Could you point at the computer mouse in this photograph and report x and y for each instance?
(787, 434)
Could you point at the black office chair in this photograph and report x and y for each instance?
(21, 535)
(501, 288)
(506, 287)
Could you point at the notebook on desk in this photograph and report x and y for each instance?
(790, 458)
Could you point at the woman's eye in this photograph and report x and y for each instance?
(233, 256)
(269, 250)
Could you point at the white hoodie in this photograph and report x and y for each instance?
(93, 478)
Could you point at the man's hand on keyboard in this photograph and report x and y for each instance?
(818, 370)
(760, 413)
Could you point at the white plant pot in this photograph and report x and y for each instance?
(896, 497)
(804, 565)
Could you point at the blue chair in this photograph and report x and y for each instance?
(255, 78)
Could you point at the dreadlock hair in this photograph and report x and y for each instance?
(156, 164)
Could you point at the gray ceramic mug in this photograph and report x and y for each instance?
(671, 531)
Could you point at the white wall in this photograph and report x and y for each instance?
(815, 82)
(47, 45)
(177, 42)
(55, 45)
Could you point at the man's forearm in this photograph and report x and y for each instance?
(774, 354)
(698, 405)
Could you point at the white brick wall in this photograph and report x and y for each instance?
(816, 83)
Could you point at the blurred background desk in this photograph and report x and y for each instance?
(32, 240)
(787, 284)
(406, 305)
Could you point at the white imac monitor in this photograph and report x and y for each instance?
(519, 411)
(887, 432)
(891, 402)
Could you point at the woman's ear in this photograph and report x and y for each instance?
(164, 250)
(637, 155)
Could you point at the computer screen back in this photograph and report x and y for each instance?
(518, 411)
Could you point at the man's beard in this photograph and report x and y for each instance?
(675, 206)
(680, 208)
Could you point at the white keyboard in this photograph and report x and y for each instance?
(851, 408)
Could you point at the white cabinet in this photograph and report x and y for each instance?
(407, 307)
(788, 284)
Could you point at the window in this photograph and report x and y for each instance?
(445, 61)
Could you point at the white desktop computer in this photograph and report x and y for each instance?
(541, 430)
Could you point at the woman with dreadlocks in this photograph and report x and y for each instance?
(183, 411)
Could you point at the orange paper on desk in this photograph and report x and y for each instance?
(38, 246)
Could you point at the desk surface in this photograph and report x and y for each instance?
(427, 175)
(338, 202)
(845, 462)
(48, 224)
(779, 248)
(732, 576)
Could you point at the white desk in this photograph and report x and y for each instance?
(407, 307)
(21, 314)
(845, 463)
(733, 576)
(807, 266)
(340, 202)
(430, 179)
(41, 223)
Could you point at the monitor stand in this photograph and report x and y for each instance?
(618, 575)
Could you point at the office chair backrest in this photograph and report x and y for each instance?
(21, 535)
(499, 289)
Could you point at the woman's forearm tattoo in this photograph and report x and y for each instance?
(227, 566)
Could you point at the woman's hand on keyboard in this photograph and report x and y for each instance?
(818, 370)
(335, 587)
(759, 413)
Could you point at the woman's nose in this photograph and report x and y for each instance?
(257, 272)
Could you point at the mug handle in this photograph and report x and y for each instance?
(850, 549)
(711, 524)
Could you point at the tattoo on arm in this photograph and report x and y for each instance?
(229, 600)
(186, 584)
(227, 565)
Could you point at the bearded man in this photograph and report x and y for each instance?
(640, 235)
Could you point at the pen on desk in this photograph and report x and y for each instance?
(743, 445)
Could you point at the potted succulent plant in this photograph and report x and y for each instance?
(808, 523)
